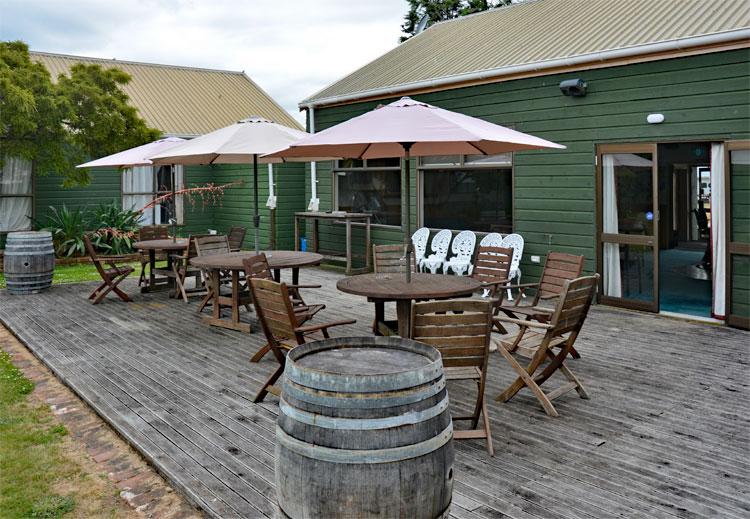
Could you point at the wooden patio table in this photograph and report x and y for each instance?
(215, 264)
(379, 288)
(152, 246)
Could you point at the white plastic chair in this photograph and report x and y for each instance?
(419, 240)
(439, 246)
(493, 239)
(463, 251)
(515, 242)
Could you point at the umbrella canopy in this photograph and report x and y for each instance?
(405, 128)
(138, 156)
(239, 143)
(433, 131)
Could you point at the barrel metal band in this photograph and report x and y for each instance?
(360, 400)
(391, 455)
(365, 383)
(363, 424)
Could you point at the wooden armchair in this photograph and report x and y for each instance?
(537, 340)
(491, 269)
(151, 232)
(183, 270)
(460, 330)
(282, 326)
(256, 267)
(111, 277)
(559, 267)
(236, 236)
(388, 259)
(206, 246)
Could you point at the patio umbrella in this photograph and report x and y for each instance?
(138, 156)
(408, 128)
(239, 143)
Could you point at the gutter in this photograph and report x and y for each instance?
(627, 52)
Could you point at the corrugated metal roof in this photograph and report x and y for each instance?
(183, 101)
(537, 31)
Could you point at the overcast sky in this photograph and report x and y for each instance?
(291, 48)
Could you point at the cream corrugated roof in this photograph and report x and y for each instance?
(183, 101)
(536, 31)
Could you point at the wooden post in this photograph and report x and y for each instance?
(296, 232)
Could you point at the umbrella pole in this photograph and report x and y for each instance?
(407, 224)
(256, 218)
(174, 208)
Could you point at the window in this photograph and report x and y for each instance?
(472, 192)
(16, 195)
(370, 186)
(142, 184)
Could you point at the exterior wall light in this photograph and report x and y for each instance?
(655, 118)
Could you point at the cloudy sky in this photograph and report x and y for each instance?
(291, 48)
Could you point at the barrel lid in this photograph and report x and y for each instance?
(363, 364)
(30, 234)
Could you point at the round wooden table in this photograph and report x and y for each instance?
(214, 264)
(152, 246)
(379, 288)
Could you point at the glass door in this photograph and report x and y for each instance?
(737, 185)
(627, 225)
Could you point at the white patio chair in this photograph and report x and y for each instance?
(440, 243)
(515, 242)
(493, 239)
(419, 240)
(463, 251)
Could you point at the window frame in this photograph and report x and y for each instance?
(463, 166)
(31, 195)
(337, 168)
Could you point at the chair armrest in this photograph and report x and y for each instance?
(521, 322)
(304, 286)
(493, 283)
(323, 326)
(524, 285)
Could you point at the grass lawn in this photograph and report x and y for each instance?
(75, 274)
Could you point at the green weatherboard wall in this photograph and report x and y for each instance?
(702, 97)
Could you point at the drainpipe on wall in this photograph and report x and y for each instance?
(314, 204)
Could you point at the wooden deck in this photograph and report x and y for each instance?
(665, 433)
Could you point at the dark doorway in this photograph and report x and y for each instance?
(685, 228)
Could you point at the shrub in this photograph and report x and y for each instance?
(115, 229)
(67, 228)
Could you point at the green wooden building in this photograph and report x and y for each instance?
(651, 100)
(183, 102)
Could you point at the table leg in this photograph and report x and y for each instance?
(348, 247)
(368, 252)
(235, 296)
(295, 276)
(296, 233)
(315, 235)
(170, 279)
(403, 311)
(277, 275)
(151, 276)
(215, 284)
(379, 317)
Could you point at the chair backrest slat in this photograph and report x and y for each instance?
(458, 328)
(236, 236)
(212, 244)
(559, 268)
(153, 232)
(492, 264)
(271, 301)
(387, 258)
(573, 305)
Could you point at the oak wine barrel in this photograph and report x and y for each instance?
(29, 261)
(364, 430)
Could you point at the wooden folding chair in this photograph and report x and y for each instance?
(388, 259)
(491, 269)
(281, 326)
(536, 340)
(151, 232)
(236, 236)
(558, 268)
(256, 267)
(206, 246)
(111, 277)
(183, 270)
(460, 330)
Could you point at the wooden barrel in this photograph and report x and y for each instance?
(364, 430)
(29, 262)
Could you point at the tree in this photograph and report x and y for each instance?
(440, 10)
(58, 125)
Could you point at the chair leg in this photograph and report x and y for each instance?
(487, 430)
(524, 379)
(261, 395)
(570, 376)
(261, 353)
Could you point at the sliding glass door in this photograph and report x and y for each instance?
(627, 225)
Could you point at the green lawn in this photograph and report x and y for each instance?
(31, 454)
(75, 274)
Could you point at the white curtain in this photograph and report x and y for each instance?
(612, 276)
(137, 191)
(179, 182)
(718, 229)
(15, 179)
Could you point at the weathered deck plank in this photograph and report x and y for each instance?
(664, 434)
